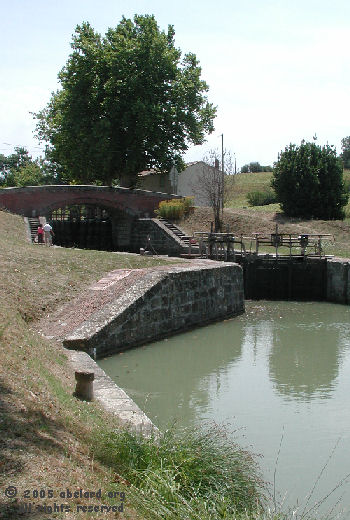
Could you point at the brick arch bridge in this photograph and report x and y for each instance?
(41, 200)
(130, 213)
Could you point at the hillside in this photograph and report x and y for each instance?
(46, 434)
(245, 220)
(51, 442)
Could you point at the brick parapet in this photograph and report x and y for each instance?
(42, 199)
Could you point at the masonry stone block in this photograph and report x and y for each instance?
(338, 280)
(164, 302)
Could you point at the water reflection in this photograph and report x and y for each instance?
(306, 351)
(281, 367)
(301, 345)
(172, 375)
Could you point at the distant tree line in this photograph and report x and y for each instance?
(19, 169)
(254, 167)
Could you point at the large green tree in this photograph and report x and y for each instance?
(128, 101)
(308, 180)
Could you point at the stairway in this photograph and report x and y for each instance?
(33, 226)
(177, 231)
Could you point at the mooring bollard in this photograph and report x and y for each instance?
(84, 387)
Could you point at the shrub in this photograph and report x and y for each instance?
(174, 209)
(308, 181)
(261, 198)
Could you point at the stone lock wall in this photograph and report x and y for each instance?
(309, 278)
(162, 240)
(338, 280)
(163, 303)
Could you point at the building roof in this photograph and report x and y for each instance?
(146, 173)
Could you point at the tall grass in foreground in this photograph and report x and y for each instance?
(188, 474)
(198, 475)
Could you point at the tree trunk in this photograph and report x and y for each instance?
(217, 221)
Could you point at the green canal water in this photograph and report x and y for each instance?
(278, 377)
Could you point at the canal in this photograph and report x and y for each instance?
(278, 377)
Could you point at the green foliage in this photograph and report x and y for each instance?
(254, 167)
(308, 180)
(345, 155)
(174, 209)
(202, 474)
(251, 167)
(18, 169)
(261, 198)
(52, 172)
(127, 102)
(11, 164)
(28, 175)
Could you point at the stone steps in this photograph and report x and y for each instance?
(177, 231)
(33, 226)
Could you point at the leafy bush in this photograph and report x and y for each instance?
(174, 209)
(261, 198)
(308, 181)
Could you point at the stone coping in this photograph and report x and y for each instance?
(110, 296)
(139, 289)
(112, 398)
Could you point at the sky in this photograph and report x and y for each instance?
(278, 70)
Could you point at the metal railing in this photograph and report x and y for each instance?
(227, 245)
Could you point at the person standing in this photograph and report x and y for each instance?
(40, 234)
(48, 233)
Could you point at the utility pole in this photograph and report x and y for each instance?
(222, 176)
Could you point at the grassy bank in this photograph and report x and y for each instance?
(51, 441)
(244, 220)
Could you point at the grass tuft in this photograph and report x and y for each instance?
(202, 473)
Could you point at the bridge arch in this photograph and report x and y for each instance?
(124, 207)
(39, 200)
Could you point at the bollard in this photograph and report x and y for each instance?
(142, 250)
(84, 387)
